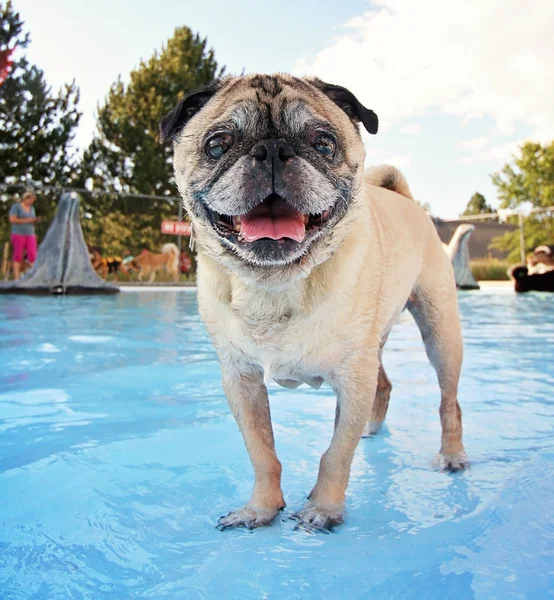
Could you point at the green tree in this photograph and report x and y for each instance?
(477, 205)
(37, 125)
(125, 155)
(530, 178)
(117, 222)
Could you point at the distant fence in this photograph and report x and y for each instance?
(480, 240)
(503, 215)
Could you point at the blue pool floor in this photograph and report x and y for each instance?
(118, 454)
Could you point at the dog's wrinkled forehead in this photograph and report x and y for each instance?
(276, 103)
(283, 116)
(270, 102)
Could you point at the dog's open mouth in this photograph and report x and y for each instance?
(273, 219)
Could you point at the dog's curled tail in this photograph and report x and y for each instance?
(170, 249)
(388, 177)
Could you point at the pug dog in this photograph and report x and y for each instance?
(305, 262)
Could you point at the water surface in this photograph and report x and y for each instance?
(118, 454)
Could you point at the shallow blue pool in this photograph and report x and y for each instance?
(118, 454)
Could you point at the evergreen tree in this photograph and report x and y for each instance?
(529, 179)
(36, 124)
(477, 205)
(125, 154)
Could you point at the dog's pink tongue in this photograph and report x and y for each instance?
(273, 220)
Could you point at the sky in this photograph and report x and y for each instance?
(457, 86)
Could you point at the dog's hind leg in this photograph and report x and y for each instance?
(382, 397)
(380, 405)
(434, 306)
(381, 402)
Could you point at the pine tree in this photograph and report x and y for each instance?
(477, 205)
(36, 127)
(126, 155)
(36, 124)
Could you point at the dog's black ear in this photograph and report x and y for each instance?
(346, 100)
(175, 120)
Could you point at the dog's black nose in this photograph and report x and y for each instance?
(270, 150)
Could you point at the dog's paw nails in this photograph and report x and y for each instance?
(247, 517)
(318, 518)
(451, 462)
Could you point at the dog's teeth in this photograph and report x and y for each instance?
(236, 223)
(306, 219)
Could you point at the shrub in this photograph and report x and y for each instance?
(489, 269)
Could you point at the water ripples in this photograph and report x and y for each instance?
(118, 454)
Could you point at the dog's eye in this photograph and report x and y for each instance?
(325, 145)
(218, 145)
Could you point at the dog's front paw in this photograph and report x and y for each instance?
(248, 517)
(319, 517)
(452, 462)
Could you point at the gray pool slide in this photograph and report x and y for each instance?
(63, 262)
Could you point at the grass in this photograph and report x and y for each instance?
(483, 269)
(489, 269)
(161, 277)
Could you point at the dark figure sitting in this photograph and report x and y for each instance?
(538, 275)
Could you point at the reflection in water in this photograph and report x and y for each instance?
(118, 454)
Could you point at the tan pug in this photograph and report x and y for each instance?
(304, 265)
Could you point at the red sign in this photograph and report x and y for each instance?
(176, 227)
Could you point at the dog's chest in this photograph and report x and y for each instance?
(268, 328)
(280, 338)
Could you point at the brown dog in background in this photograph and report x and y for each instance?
(149, 263)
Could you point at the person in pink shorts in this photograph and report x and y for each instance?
(23, 219)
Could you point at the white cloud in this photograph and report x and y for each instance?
(494, 153)
(471, 59)
(398, 161)
(475, 144)
(414, 129)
